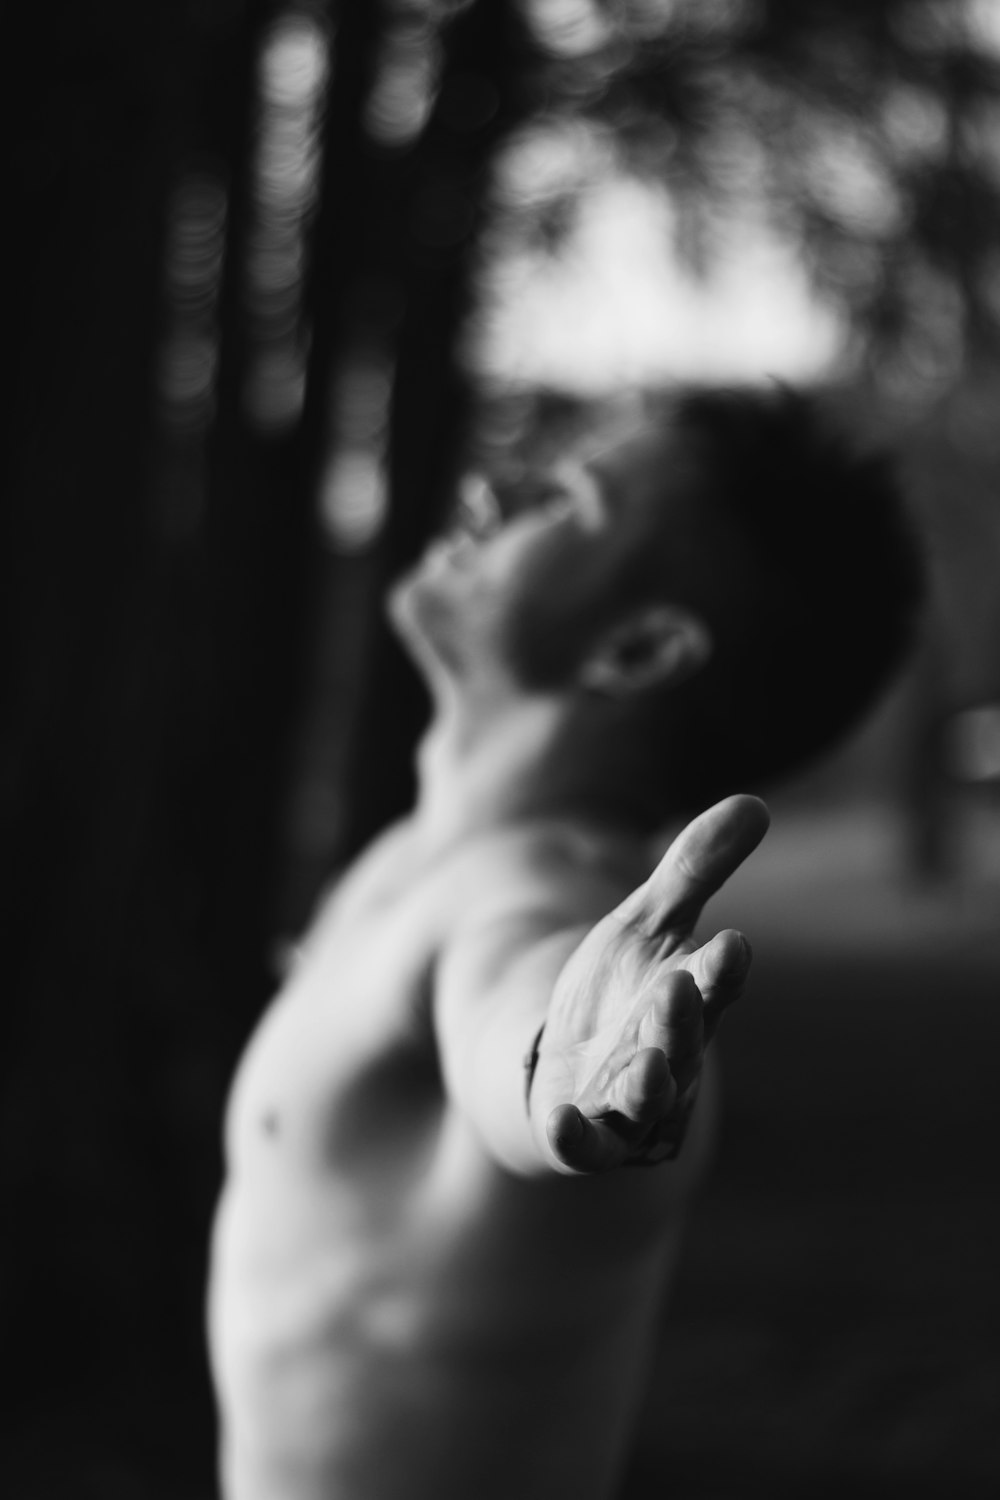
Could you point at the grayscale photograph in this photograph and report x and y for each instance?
(501, 751)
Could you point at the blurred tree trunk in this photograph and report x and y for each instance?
(440, 210)
(158, 597)
(90, 1209)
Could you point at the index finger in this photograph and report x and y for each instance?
(698, 863)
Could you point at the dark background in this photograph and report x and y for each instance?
(223, 282)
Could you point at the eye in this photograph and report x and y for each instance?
(558, 502)
(545, 494)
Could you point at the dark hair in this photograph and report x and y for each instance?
(796, 551)
(813, 629)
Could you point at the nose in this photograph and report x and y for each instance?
(478, 508)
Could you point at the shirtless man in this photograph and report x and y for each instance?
(433, 1272)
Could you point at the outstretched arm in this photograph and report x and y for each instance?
(625, 1011)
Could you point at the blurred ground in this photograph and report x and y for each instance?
(835, 1327)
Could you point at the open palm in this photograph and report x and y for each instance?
(637, 1002)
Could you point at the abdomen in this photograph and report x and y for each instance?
(476, 1336)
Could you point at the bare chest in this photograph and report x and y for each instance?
(343, 1060)
(372, 1268)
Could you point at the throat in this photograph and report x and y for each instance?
(490, 777)
(477, 772)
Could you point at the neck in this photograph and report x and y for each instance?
(476, 774)
(479, 774)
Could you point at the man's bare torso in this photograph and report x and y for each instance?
(393, 1313)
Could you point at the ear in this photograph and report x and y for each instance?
(657, 644)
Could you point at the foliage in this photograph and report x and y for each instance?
(869, 130)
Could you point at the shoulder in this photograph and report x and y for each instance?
(384, 865)
(543, 877)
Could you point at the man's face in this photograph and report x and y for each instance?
(534, 567)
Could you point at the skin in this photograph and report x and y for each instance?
(423, 1281)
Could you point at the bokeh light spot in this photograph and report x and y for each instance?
(352, 499)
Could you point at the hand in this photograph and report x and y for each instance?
(637, 1003)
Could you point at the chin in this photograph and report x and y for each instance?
(420, 618)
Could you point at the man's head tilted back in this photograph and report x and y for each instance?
(713, 600)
